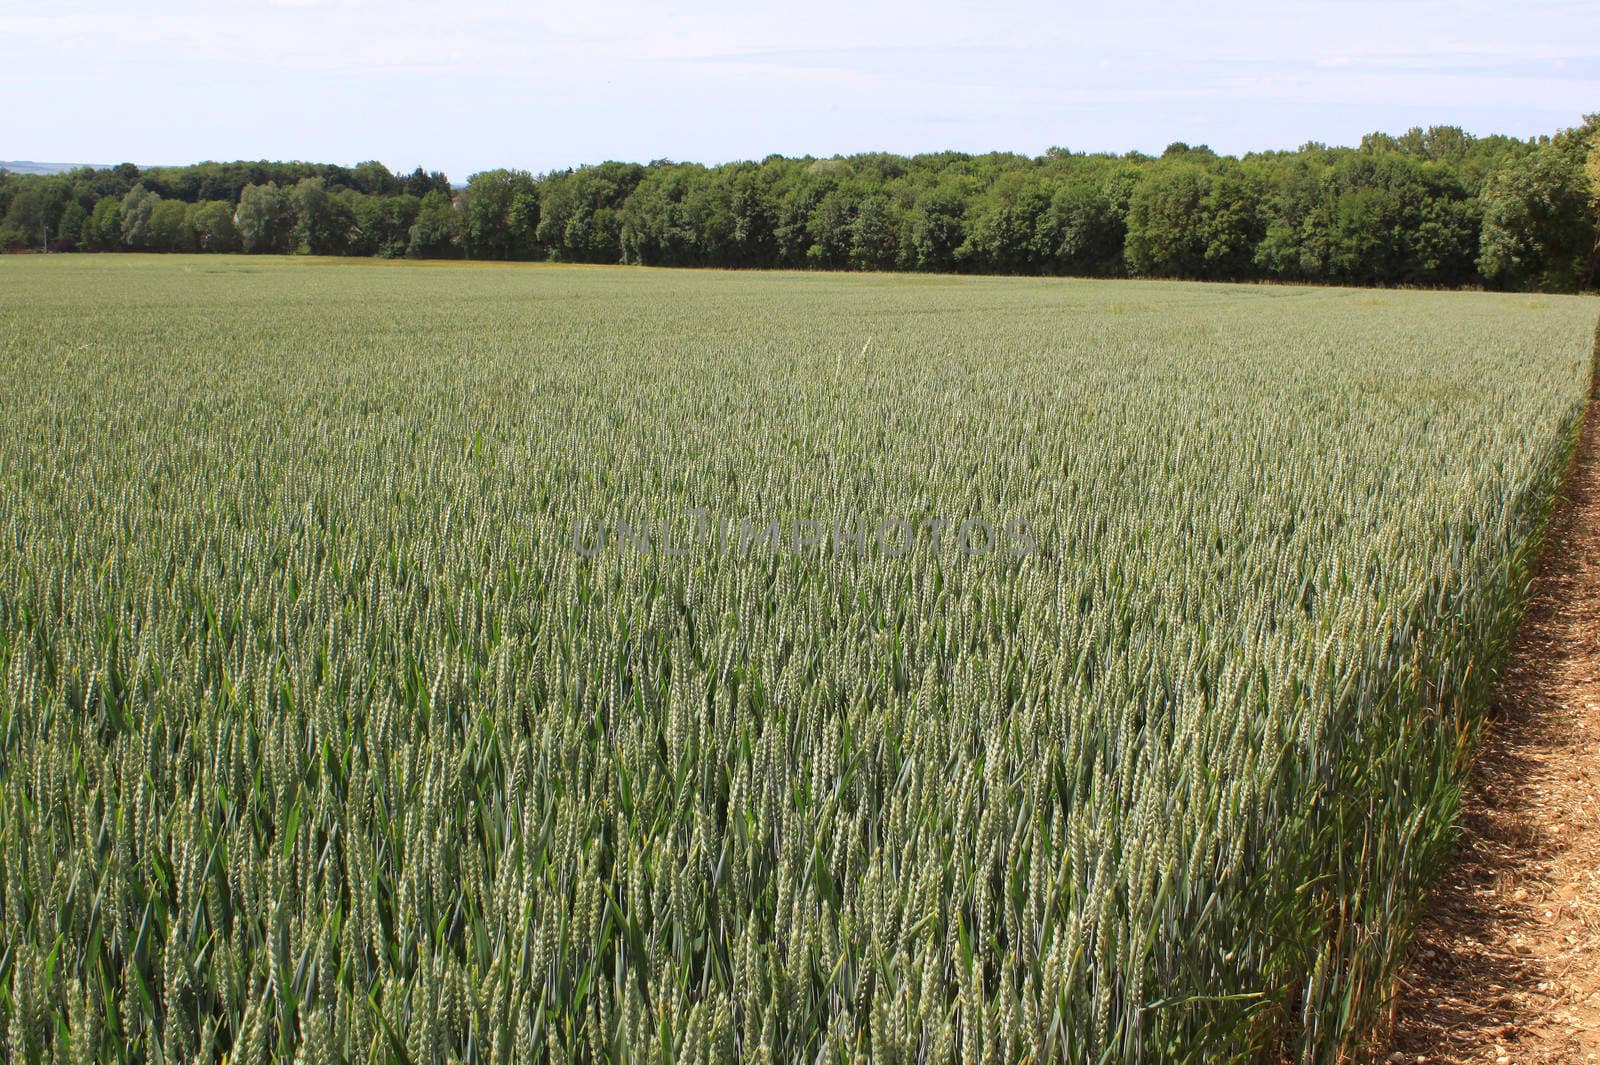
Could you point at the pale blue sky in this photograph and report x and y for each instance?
(462, 85)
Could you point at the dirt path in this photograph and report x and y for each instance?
(1506, 967)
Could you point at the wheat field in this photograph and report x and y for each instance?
(444, 663)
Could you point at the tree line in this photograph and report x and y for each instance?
(1436, 207)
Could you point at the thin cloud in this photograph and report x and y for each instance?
(473, 85)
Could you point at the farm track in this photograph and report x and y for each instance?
(1506, 965)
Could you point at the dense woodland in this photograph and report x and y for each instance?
(1431, 207)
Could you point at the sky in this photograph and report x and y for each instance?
(465, 85)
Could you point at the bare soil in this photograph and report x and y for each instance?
(1506, 966)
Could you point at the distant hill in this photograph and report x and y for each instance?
(28, 166)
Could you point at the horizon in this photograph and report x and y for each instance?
(461, 179)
